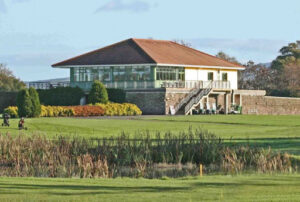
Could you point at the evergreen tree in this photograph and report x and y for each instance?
(98, 93)
(35, 100)
(24, 103)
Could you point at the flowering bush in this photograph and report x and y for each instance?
(111, 109)
(87, 110)
(115, 109)
(12, 112)
(56, 111)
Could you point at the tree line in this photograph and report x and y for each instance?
(282, 78)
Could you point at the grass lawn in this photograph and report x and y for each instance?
(279, 132)
(207, 188)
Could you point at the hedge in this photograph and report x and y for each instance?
(116, 95)
(61, 96)
(7, 99)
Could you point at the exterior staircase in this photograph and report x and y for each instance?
(192, 100)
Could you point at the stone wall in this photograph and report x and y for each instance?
(7, 99)
(263, 105)
(174, 96)
(158, 101)
(150, 101)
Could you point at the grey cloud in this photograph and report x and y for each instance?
(119, 5)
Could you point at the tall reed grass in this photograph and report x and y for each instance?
(142, 156)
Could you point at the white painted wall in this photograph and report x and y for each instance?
(202, 75)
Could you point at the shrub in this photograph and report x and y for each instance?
(12, 112)
(24, 103)
(115, 109)
(98, 93)
(87, 111)
(61, 96)
(36, 106)
(56, 111)
(116, 95)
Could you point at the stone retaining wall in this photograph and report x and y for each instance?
(151, 102)
(264, 105)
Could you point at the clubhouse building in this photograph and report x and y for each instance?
(161, 77)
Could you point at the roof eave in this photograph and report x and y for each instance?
(156, 64)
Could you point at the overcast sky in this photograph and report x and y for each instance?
(37, 33)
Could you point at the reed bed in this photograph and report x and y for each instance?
(168, 154)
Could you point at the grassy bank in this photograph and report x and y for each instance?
(207, 188)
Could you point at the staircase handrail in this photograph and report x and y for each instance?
(191, 95)
(196, 99)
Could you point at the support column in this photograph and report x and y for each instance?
(226, 103)
(241, 100)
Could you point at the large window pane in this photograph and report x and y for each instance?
(170, 73)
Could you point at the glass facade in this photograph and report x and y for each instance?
(113, 73)
(170, 74)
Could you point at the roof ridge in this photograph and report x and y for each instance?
(135, 41)
(207, 54)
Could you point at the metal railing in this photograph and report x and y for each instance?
(196, 84)
(191, 96)
(130, 84)
(196, 100)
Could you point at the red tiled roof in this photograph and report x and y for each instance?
(147, 51)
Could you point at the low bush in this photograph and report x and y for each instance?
(63, 111)
(12, 112)
(115, 109)
(85, 111)
(56, 111)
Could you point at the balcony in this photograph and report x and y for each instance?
(197, 84)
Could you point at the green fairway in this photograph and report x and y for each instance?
(207, 188)
(279, 132)
(224, 126)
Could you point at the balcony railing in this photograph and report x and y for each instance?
(197, 84)
(130, 84)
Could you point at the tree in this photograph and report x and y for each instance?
(8, 82)
(226, 57)
(24, 103)
(182, 42)
(36, 106)
(256, 77)
(286, 69)
(98, 93)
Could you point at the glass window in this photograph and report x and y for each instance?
(224, 76)
(76, 74)
(82, 74)
(102, 74)
(210, 76)
(170, 73)
(119, 73)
